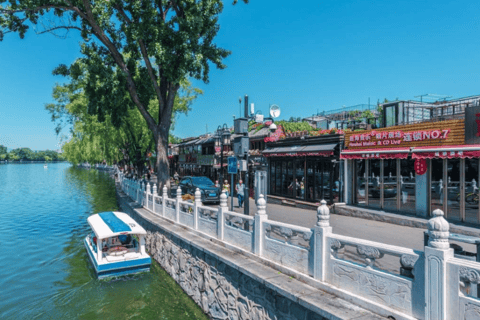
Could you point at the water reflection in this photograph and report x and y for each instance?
(48, 275)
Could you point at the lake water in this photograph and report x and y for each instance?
(44, 269)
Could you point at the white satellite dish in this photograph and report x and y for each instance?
(274, 111)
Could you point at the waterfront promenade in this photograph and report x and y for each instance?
(389, 280)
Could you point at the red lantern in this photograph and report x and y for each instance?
(420, 166)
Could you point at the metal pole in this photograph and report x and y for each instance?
(247, 194)
(221, 169)
(231, 187)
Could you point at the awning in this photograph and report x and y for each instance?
(385, 153)
(447, 152)
(323, 150)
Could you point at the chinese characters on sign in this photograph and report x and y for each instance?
(420, 166)
(387, 138)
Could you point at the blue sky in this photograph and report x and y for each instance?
(320, 55)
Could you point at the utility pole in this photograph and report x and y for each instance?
(240, 107)
(247, 194)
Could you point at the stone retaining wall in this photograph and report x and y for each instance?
(221, 290)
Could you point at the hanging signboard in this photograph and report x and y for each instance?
(232, 165)
(444, 133)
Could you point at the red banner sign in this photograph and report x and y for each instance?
(388, 138)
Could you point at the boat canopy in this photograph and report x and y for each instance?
(111, 224)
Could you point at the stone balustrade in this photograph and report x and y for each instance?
(430, 284)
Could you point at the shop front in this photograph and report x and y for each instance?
(415, 169)
(305, 169)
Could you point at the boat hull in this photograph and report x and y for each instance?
(119, 268)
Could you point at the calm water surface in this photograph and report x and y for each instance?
(44, 269)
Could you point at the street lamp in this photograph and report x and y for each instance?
(222, 139)
(242, 144)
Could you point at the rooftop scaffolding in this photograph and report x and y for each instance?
(410, 111)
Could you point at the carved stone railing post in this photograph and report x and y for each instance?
(221, 215)
(153, 197)
(437, 253)
(321, 247)
(177, 205)
(147, 193)
(196, 204)
(258, 232)
(164, 200)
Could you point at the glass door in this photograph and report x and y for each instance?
(327, 182)
(407, 186)
(300, 178)
(390, 193)
(437, 193)
(272, 177)
(310, 186)
(454, 196)
(471, 191)
(318, 181)
(374, 184)
(290, 180)
(360, 177)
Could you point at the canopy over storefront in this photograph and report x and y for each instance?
(324, 150)
(447, 152)
(386, 153)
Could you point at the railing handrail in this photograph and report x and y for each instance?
(386, 248)
(239, 215)
(288, 226)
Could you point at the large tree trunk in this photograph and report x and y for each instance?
(163, 172)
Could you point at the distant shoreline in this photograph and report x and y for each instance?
(30, 161)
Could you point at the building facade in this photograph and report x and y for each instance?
(426, 157)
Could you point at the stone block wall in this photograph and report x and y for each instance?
(220, 290)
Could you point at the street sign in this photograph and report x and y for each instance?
(232, 165)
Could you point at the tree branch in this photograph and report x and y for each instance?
(143, 49)
(119, 60)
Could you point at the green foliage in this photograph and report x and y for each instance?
(289, 127)
(3, 149)
(134, 52)
(127, 139)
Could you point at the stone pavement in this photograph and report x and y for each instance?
(372, 230)
(378, 231)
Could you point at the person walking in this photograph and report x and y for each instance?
(226, 187)
(240, 188)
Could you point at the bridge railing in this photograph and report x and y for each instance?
(387, 279)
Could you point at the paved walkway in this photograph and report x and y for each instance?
(382, 232)
(372, 230)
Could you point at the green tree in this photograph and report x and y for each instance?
(95, 141)
(3, 149)
(163, 41)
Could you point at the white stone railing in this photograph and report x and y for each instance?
(429, 284)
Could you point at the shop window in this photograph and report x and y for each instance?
(374, 184)
(336, 182)
(327, 181)
(407, 186)
(278, 177)
(318, 181)
(390, 193)
(453, 189)
(300, 179)
(290, 179)
(272, 178)
(471, 191)
(360, 182)
(437, 184)
(310, 181)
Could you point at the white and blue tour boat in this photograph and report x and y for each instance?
(116, 245)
